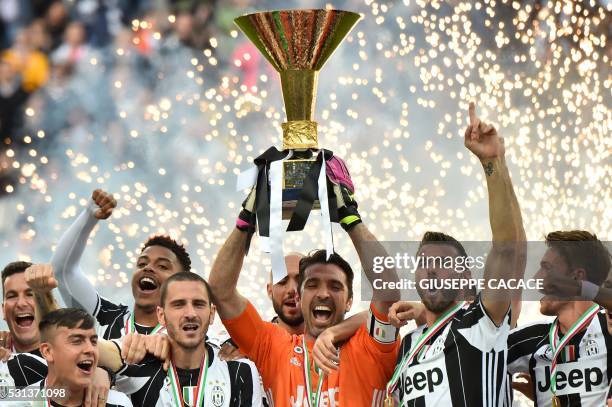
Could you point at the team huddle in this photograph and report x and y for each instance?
(465, 350)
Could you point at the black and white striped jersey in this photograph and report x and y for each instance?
(228, 383)
(464, 364)
(112, 319)
(23, 369)
(583, 366)
(75, 288)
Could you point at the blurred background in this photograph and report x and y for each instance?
(164, 102)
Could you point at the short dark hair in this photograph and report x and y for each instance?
(70, 318)
(13, 268)
(431, 237)
(320, 257)
(582, 249)
(172, 245)
(442, 238)
(183, 276)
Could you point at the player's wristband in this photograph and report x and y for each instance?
(349, 217)
(589, 290)
(349, 222)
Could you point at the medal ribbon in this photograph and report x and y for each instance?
(313, 398)
(584, 320)
(130, 326)
(175, 384)
(420, 342)
(47, 400)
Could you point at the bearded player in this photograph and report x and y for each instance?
(325, 288)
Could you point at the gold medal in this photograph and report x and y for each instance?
(389, 401)
(556, 402)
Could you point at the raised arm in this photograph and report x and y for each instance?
(224, 275)
(41, 280)
(366, 244)
(133, 349)
(507, 257)
(368, 247)
(75, 288)
(109, 355)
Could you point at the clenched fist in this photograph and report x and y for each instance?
(40, 278)
(5, 346)
(135, 346)
(403, 311)
(105, 202)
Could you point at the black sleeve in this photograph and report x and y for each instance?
(608, 338)
(26, 369)
(404, 348)
(475, 313)
(146, 367)
(241, 384)
(111, 316)
(143, 382)
(522, 343)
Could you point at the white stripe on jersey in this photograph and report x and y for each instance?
(112, 318)
(582, 381)
(23, 369)
(143, 382)
(464, 365)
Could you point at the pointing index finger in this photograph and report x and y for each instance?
(472, 112)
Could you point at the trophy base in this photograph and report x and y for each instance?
(295, 172)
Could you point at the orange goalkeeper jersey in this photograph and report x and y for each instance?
(367, 361)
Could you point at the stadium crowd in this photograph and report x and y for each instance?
(467, 347)
(51, 51)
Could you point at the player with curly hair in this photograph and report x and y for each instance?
(159, 258)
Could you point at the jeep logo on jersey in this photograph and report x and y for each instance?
(572, 379)
(417, 383)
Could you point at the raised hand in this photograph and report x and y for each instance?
(158, 345)
(5, 346)
(482, 139)
(403, 311)
(230, 352)
(133, 348)
(525, 386)
(338, 174)
(40, 278)
(324, 353)
(96, 393)
(560, 286)
(105, 202)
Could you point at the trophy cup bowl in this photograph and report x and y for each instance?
(297, 43)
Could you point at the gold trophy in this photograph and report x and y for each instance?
(297, 43)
